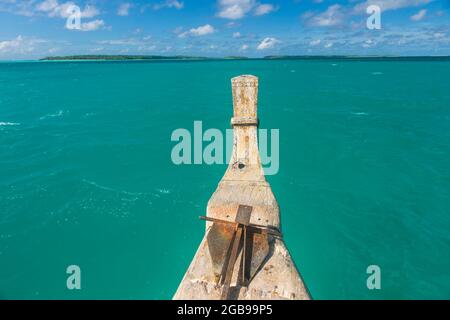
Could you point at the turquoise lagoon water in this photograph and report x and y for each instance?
(86, 176)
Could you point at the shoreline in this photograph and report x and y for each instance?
(199, 59)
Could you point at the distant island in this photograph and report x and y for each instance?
(133, 57)
(194, 58)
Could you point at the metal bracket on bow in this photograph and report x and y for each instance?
(228, 239)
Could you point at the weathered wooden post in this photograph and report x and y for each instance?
(242, 255)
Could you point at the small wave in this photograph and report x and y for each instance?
(9, 124)
(95, 184)
(123, 192)
(360, 113)
(334, 64)
(377, 73)
(60, 113)
(163, 191)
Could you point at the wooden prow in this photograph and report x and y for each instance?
(265, 269)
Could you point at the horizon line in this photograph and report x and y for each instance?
(97, 57)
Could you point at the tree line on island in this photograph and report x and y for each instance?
(280, 57)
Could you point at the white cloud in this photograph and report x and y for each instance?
(124, 9)
(169, 4)
(166, 49)
(368, 44)
(92, 25)
(203, 30)
(19, 45)
(236, 35)
(386, 5)
(200, 31)
(141, 44)
(264, 9)
(238, 9)
(328, 45)
(53, 9)
(10, 44)
(98, 49)
(419, 15)
(244, 47)
(126, 42)
(47, 5)
(333, 16)
(268, 43)
(314, 43)
(89, 12)
(178, 30)
(23, 8)
(235, 9)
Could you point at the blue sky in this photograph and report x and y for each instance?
(31, 29)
